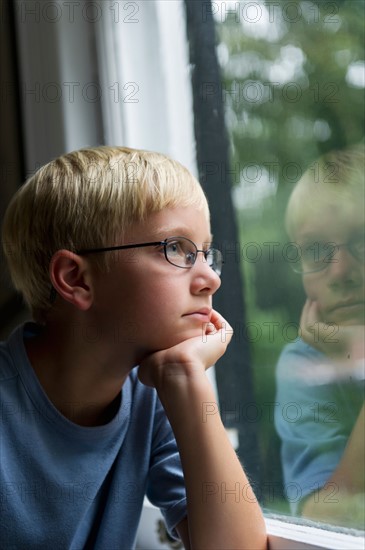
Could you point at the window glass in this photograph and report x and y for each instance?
(293, 78)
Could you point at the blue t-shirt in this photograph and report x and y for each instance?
(318, 406)
(65, 486)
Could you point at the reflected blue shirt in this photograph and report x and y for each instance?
(314, 418)
(69, 486)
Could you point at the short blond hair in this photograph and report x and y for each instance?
(87, 199)
(335, 178)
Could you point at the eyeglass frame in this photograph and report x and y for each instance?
(163, 243)
(348, 245)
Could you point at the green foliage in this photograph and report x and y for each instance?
(285, 79)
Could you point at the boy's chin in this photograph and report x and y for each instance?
(175, 339)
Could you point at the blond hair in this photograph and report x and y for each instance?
(87, 199)
(335, 178)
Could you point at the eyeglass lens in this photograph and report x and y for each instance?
(318, 256)
(182, 252)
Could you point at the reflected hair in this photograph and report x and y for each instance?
(335, 178)
(87, 199)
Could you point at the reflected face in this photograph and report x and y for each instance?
(339, 288)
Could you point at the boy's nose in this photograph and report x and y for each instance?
(205, 279)
(344, 268)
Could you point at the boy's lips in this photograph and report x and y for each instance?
(347, 310)
(204, 314)
(347, 304)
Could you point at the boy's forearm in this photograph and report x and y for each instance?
(349, 474)
(342, 493)
(222, 509)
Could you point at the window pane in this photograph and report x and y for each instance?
(293, 91)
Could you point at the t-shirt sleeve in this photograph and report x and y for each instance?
(166, 487)
(308, 421)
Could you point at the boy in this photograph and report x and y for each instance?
(322, 373)
(101, 244)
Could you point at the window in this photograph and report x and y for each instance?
(292, 90)
(265, 88)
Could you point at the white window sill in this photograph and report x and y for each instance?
(283, 535)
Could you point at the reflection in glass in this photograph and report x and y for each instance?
(322, 373)
(293, 89)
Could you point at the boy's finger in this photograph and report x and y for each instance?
(310, 315)
(222, 328)
(219, 321)
(210, 328)
(216, 319)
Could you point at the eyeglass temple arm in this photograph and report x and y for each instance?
(122, 247)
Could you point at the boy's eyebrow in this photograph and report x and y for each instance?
(178, 231)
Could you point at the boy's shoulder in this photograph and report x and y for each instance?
(296, 362)
(8, 369)
(13, 356)
(14, 364)
(299, 348)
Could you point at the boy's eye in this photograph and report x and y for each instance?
(180, 252)
(190, 257)
(317, 252)
(179, 249)
(174, 249)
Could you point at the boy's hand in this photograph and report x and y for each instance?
(207, 456)
(339, 342)
(189, 358)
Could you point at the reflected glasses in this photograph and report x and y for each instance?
(179, 251)
(318, 256)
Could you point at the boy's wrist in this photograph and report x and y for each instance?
(192, 381)
(187, 394)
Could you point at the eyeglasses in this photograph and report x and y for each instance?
(179, 251)
(318, 256)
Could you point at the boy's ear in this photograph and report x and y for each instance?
(71, 278)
